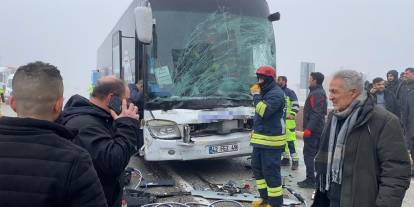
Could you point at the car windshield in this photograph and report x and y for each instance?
(208, 49)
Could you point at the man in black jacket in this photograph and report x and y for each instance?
(362, 159)
(110, 138)
(383, 97)
(40, 166)
(405, 96)
(314, 114)
(392, 81)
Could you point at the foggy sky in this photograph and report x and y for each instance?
(369, 36)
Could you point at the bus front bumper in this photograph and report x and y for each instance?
(209, 147)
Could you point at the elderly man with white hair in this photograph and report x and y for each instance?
(362, 159)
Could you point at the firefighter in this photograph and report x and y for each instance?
(268, 137)
(292, 105)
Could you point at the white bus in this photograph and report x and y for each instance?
(197, 66)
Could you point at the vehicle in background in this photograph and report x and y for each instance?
(197, 60)
(8, 89)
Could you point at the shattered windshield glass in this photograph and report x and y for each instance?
(208, 53)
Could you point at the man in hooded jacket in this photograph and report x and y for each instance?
(268, 137)
(109, 137)
(393, 81)
(362, 159)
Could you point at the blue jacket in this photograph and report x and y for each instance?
(269, 119)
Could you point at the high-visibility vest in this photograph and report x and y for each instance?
(90, 89)
(290, 124)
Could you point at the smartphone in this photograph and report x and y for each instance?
(115, 104)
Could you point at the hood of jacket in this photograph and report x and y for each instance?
(79, 105)
(393, 73)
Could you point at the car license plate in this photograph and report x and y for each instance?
(216, 149)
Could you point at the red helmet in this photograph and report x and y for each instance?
(266, 71)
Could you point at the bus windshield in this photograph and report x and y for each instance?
(208, 49)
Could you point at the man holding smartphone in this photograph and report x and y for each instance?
(108, 128)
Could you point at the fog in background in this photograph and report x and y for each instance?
(370, 36)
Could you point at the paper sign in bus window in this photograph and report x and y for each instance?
(163, 76)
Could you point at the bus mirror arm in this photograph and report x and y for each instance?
(274, 17)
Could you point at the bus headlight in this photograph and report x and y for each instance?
(163, 129)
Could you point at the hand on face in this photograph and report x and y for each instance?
(255, 89)
(130, 111)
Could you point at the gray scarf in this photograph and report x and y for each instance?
(335, 162)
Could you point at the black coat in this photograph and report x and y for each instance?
(405, 96)
(393, 85)
(315, 110)
(376, 166)
(391, 103)
(41, 167)
(110, 143)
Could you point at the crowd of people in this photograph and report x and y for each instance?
(75, 155)
(357, 155)
(396, 94)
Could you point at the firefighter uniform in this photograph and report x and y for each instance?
(292, 106)
(268, 138)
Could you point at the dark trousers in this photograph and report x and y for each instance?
(291, 146)
(140, 139)
(411, 147)
(310, 149)
(266, 165)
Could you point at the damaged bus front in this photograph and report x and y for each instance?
(196, 69)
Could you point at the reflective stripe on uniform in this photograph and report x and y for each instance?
(261, 184)
(295, 156)
(295, 106)
(275, 192)
(261, 108)
(290, 124)
(273, 141)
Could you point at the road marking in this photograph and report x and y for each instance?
(184, 185)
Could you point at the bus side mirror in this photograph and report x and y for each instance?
(143, 23)
(274, 17)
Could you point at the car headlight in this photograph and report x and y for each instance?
(163, 129)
